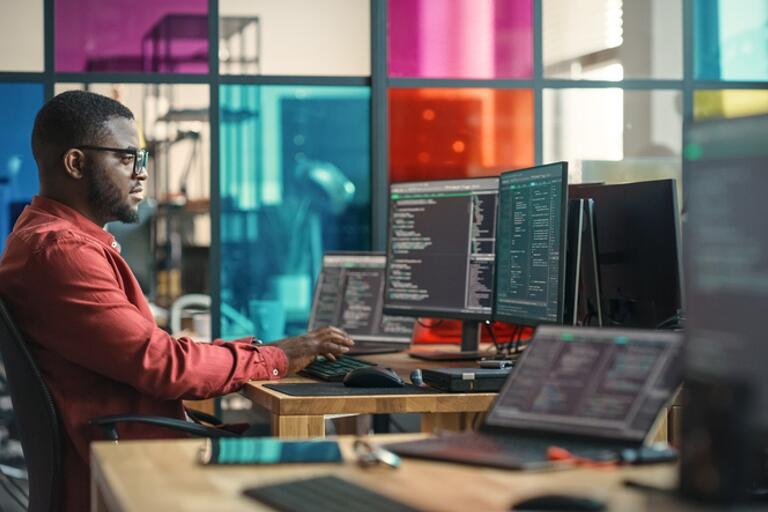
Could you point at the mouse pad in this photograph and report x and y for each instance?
(339, 389)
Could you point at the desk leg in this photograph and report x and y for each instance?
(354, 425)
(453, 421)
(298, 427)
(98, 504)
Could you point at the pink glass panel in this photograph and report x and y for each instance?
(460, 38)
(166, 36)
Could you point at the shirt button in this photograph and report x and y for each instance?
(114, 245)
(275, 372)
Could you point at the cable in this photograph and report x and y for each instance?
(499, 348)
(515, 341)
(672, 322)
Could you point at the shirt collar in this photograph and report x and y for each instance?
(63, 211)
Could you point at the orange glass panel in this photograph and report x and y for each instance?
(454, 133)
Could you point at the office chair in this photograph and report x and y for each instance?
(36, 419)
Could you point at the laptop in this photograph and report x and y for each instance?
(349, 294)
(594, 392)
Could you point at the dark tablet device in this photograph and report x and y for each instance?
(465, 380)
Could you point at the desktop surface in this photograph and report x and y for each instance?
(304, 416)
(135, 476)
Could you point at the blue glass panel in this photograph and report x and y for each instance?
(19, 104)
(295, 182)
(729, 40)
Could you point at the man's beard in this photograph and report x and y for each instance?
(107, 199)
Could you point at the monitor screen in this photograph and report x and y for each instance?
(594, 382)
(726, 267)
(530, 242)
(638, 252)
(349, 295)
(440, 248)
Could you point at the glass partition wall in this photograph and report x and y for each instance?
(275, 126)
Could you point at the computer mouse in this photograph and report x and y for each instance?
(373, 377)
(559, 502)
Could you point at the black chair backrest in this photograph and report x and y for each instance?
(35, 418)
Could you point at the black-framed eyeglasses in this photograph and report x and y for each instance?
(140, 156)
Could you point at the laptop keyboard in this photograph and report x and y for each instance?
(324, 494)
(334, 371)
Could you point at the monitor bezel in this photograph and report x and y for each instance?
(563, 256)
(440, 312)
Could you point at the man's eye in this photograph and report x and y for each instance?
(127, 159)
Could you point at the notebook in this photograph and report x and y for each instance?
(594, 392)
(349, 294)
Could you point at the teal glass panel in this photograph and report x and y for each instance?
(19, 104)
(730, 40)
(295, 182)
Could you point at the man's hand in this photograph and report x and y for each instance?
(302, 350)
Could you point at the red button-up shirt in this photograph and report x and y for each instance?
(89, 328)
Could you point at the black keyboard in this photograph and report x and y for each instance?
(324, 494)
(334, 371)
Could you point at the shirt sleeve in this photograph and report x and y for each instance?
(94, 325)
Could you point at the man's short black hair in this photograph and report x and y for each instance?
(73, 118)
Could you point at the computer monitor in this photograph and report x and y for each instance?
(724, 452)
(349, 294)
(530, 245)
(440, 251)
(638, 246)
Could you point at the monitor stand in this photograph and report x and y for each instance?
(470, 343)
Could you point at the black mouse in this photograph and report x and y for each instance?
(559, 502)
(373, 377)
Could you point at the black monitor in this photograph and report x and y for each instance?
(724, 452)
(530, 245)
(638, 251)
(440, 251)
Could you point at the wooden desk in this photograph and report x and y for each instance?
(304, 417)
(164, 475)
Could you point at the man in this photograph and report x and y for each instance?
(81, 310)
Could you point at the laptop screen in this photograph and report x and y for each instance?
(607, 383)
(349, 295)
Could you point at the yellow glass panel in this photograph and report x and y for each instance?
(730, 103)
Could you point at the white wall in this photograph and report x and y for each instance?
(309, 37)
(21, 24)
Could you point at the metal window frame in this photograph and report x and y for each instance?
(380, 85)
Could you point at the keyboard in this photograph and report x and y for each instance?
(334, 371)
(324, 494)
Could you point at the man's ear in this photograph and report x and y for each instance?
(74, 161)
